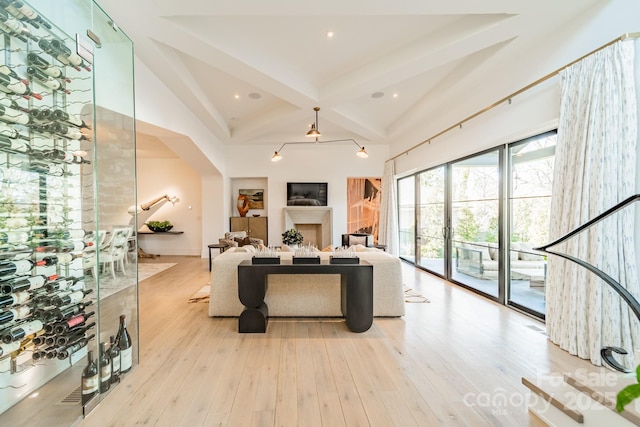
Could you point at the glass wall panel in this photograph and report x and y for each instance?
(66, 187)
(531, 174)
(407, 217)
(475, 184)
(431, 220)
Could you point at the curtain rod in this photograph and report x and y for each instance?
(516, 93)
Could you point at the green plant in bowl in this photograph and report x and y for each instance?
(159, 226)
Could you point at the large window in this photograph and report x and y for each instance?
(475, 210)
(431, 220)
(407, 217)
(461, 219)
(531, 170)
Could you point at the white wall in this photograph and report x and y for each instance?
(532, 112)
(331, 163)
(176, 178)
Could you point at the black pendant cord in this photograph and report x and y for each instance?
(605, 352)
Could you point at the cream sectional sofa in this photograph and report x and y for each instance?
(306, 295)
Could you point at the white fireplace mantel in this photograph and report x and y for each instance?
(321, 215)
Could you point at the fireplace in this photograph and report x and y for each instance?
(314, 222)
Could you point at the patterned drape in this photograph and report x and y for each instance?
(389, 210)
(595, 168)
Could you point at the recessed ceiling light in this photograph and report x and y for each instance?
(395, 95)
(254, 95)
(236, 96)
(330, 34)
(377, 95)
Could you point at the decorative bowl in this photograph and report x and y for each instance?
(159, 226)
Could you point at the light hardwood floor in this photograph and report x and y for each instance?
(447, 362)
(451, 362)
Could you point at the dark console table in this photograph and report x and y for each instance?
(356, 291)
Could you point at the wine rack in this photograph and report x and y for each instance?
(47, 207)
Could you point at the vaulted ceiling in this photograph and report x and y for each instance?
(253, 70)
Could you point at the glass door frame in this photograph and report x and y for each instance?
(504, 214)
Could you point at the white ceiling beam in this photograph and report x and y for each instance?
(467, 35)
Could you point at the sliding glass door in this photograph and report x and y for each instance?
(431, 229)
(475, 212)
(531, 169)
(407, 218)
(475, 221)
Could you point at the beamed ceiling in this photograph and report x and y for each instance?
(253, 70)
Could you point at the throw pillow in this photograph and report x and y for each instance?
(243, 241)
(358, 240)
(235, 234)
(285, 248)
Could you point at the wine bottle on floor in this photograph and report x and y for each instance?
(89, 379)
(105, 368)
(114, 353)
(123, 341)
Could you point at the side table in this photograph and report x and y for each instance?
(221, 246)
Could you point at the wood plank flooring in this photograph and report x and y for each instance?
(451, 362)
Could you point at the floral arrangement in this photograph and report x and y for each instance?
(292, 237)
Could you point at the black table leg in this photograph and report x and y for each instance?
(356, 299)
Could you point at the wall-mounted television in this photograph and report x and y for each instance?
(306, 194)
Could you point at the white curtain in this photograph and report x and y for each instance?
(595, 168)
(389, 210)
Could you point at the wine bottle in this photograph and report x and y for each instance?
(47, 80)
(14, 237)
(14, 314)
(11, 115)
(9, 72)
(105, 369)
(71, 298)
(14, 299)
(15, 267)
(22, 283)
(63, 156)
(73, 347)
(36, 60)
(123, 341)
(10, 85)
(63, 116)
(9, 348)
(17, 146)
(52, 299)
(69, 311)
(62, 50)
(31, 15)
(45, 168)
(13, 104)
(13, 27)
(74, 333)
(89, 379)
(21, 331)
(41, 353)
(63, 327)
(68, 132)
(7, 131)
(114, 354)
(61, 284)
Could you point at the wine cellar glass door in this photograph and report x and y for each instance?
(68, 272)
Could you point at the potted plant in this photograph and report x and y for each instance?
(292, 237)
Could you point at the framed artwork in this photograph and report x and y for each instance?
(255, 197)
(363, 205)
